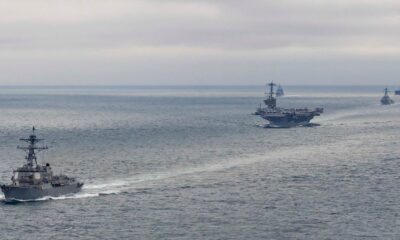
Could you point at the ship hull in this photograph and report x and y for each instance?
(386, 101)
(37, 192)
(288, 121)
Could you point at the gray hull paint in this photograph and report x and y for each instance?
(32, 193)
(386, 100)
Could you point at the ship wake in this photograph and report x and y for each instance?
(279, 156)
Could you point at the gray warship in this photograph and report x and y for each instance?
(279, 91)
(33, 181)
(386, 100)
(283, 117)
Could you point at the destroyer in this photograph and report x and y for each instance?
(279, 91)
(33, 181)
(386, 100)
(282, 117)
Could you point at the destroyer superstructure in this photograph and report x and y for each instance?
(285, 117)
(33, 181)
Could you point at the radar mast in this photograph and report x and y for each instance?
(30, 149)
(271, 100)
(386, 91)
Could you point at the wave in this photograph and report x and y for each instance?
(103, 187)
(366, 111)
(82, 194)
(118, 186)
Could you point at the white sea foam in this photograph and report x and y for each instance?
(117, 186)
(372, 110)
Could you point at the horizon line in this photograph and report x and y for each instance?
(192, 85)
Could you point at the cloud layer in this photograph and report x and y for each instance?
(199, 42)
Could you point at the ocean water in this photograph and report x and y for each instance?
(193, 163)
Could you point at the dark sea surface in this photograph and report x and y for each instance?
(193, 163)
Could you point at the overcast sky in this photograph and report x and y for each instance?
(164, 42)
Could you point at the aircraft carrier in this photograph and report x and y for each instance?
(285, 117)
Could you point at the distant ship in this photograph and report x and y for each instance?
(33, 181)
(279, 91)
(397, 92)
(281, 117)
(386, 100)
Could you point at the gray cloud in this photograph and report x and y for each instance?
(199, 42)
